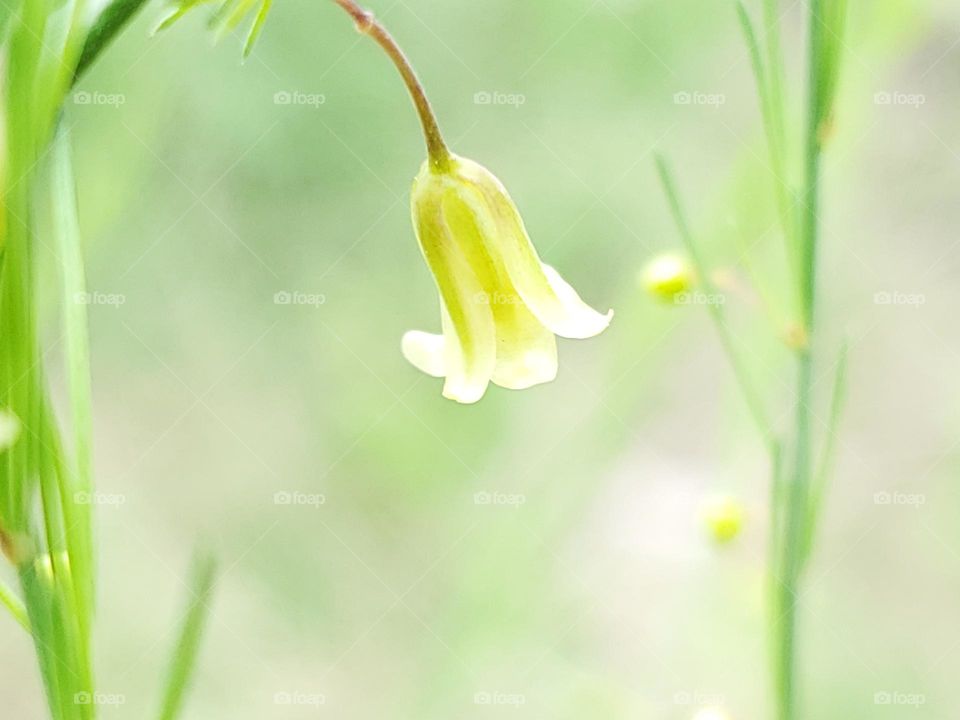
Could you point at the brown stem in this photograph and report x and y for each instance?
(368, 25)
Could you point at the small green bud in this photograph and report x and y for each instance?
(667, 276)
(724, 517)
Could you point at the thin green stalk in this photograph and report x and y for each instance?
(768, 75)
(368, 25)
(797, 512)
(752, 396)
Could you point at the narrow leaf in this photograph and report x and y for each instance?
(185, 653)
(78, 479)
(828, 455)
(257, 27)
(105, 28)
(15, 606)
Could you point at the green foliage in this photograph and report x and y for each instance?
(226, 17)
(112, 19)
(46, 484)
(184, 656)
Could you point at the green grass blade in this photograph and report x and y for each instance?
(257, 27)
(105, 28)
(37, 591)
(751, 395)
(185, 653)
(15, 606)
(756, 58)
(824, 469)
(67, 229)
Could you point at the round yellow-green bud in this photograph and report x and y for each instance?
(667, 276)
(724, 517)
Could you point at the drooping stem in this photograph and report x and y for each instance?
(368, 25)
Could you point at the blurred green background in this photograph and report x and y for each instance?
(378, 583)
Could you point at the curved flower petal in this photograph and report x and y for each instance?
(553, 301)
(526, 350)
(425, 351)
(469, 348)
(580, 320)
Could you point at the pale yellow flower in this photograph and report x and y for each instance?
(501, 307)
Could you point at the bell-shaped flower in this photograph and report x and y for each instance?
(500, 306)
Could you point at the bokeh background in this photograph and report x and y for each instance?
(386, 553)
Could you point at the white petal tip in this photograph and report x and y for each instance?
(464, 394)
(424, 351)
(534, 368)
(584, 325)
